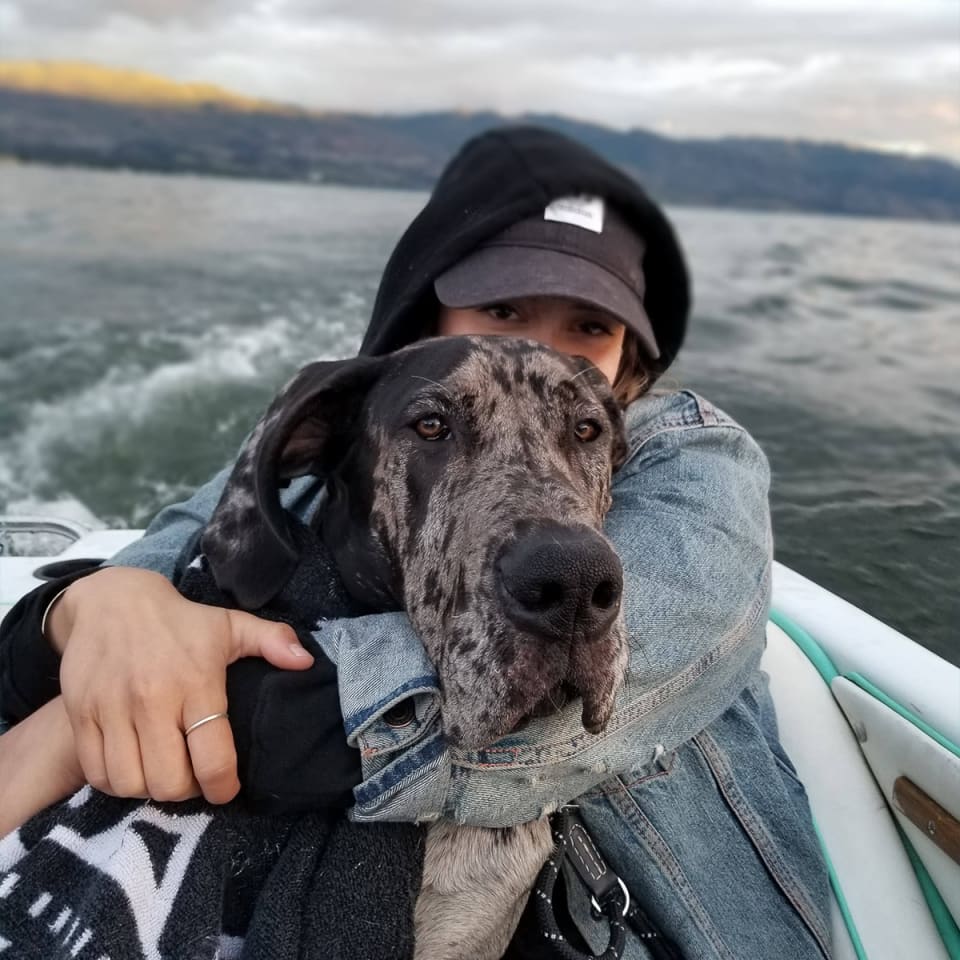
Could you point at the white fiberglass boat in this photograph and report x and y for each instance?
(870, 718)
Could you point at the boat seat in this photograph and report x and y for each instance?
(857, 828)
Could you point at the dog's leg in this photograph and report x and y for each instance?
(475, 885)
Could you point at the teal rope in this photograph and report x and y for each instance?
(946, 926)
(841, 898)
(824, 665)
(813, 651)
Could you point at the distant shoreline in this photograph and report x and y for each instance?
(16, 162)
(408, 152)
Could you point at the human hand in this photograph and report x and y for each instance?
(38, 765)
(141, 664)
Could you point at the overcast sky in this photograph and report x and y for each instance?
(884, 73)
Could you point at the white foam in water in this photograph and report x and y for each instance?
(127, 396)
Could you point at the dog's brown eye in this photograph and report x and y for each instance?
(432, 428)
(587, 430)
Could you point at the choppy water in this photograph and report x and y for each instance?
(145, 321)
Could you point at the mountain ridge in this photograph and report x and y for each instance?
(68, 113)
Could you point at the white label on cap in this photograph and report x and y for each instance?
(583, 211)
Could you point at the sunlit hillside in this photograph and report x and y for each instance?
(85, 114)
(79, 79)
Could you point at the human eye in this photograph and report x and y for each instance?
(592, 327)
(501, 311)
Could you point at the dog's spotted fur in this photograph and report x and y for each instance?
(418, 524)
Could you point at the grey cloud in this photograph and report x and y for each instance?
(90, 14)
(877, 71)
(657, 26)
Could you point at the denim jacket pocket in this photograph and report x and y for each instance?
(718, 845)
(411, 786)
(401, 720)
(747, 762)
(796, 871)
(654, 842)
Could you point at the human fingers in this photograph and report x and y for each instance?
(121, 757)
(88, 741)
(277, 643)
(209, 741)
(110, 658)
(167, 768)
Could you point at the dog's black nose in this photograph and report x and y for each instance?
(562, 582)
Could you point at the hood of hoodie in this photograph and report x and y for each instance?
(496, 179)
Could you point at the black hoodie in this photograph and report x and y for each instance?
(496, 179)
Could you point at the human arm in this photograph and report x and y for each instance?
(30, 657)
(38, 765)
(308, 766)
(166, 660)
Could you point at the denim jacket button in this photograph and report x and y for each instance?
(400, 714)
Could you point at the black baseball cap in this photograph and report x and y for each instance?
(578, 247)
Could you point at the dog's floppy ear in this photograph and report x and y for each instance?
(618, 452)
(247, 541)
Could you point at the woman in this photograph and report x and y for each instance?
(688, 793)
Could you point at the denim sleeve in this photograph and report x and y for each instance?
(691, 524)
(690, 521)
(164, 544)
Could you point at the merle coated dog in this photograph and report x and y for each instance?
(467, 480)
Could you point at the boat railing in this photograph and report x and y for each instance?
(25, 525)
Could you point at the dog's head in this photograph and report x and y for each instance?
(467, 482)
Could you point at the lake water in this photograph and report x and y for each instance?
(145, 322)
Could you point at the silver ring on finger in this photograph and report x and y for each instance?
(200, 723)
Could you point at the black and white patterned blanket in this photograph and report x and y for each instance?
(97, 878)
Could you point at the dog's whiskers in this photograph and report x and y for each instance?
(552, 698)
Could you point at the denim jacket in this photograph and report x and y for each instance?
(688, 791)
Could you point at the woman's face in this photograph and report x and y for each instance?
(565, 325)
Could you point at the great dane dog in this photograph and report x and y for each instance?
(467, 480)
